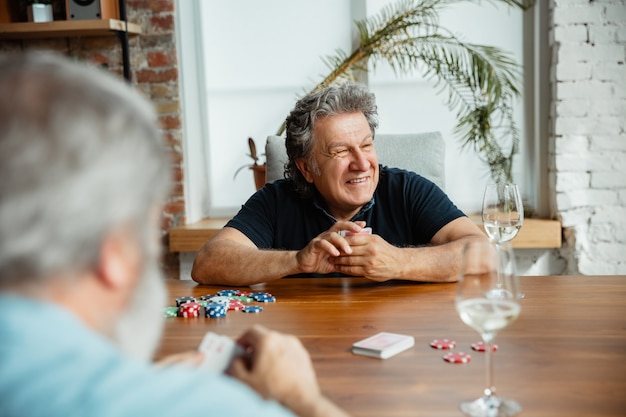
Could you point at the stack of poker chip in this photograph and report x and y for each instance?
(183, 300)
(263, 297)
(218, 304)
(189, 309)
(215, 310)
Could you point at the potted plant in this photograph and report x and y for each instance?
(39, 10)
(481, 82)
(258, 168)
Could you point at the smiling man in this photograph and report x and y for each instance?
(334, 184)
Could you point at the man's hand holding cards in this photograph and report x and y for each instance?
(218, 351)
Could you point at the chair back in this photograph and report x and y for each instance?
(422, 153)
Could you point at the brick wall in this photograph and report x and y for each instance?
(154, 73)
(588, 132)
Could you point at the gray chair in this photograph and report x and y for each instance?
(422, 153)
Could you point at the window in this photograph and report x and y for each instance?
(244, 63)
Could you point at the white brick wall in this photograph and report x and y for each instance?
(588, 132)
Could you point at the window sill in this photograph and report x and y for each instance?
(534, 234)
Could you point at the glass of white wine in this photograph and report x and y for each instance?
(503, 211)
(487, 300)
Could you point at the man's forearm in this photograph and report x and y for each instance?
(437, 263)
(229, 263)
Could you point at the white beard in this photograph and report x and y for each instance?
(140, 328)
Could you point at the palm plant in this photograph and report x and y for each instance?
(481, 82)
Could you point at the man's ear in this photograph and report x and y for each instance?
(120, 259)
(305, 168)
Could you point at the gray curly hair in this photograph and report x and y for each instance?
(336, 99)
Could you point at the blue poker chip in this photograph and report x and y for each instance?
(227, 293)
(252, 309)
(262, 296)
(215, 310)
(270, 299)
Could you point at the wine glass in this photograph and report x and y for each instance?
(503, 212)
(487, 300)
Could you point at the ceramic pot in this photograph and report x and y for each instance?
(259, 175)
(40, 13)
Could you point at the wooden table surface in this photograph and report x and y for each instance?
(564, 356)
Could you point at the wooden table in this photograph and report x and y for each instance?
(564, 356)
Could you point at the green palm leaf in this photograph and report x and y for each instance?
(480, 82)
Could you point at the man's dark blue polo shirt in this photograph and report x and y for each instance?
(406, 210)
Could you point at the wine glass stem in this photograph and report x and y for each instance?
(490, 389)
(500, 266)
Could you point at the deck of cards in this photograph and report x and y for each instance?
(218, 351)
(383, 345)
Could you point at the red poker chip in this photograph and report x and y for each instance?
(457, 357)
(480, 347)
(443, 344)
(188, 310)
(235, 305)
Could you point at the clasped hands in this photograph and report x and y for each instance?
(364, 255)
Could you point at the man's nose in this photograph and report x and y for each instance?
(360, 160)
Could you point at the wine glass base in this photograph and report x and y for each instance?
(490, 407)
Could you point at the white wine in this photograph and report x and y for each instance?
(502, 231)
(488, 316)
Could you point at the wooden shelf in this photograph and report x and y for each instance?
(66, 28)
(534, 234)
(191, 237)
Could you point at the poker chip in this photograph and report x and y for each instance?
(263, 297)
(218, 304)
(235, 305)
(220, 299)
(252, 309)
(184, 300)
(480, 347)
(215, 310)
(171, 312)
(189, 309)
(443, 344)
(227, 293)
(457, 357)
(242, 298)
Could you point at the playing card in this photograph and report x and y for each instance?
(218, 351)
(383, 345)
(364, 231)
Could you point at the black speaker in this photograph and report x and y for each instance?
(92, 9)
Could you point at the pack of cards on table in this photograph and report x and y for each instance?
(383, 345)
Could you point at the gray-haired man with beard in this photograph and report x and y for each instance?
(82, 175)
